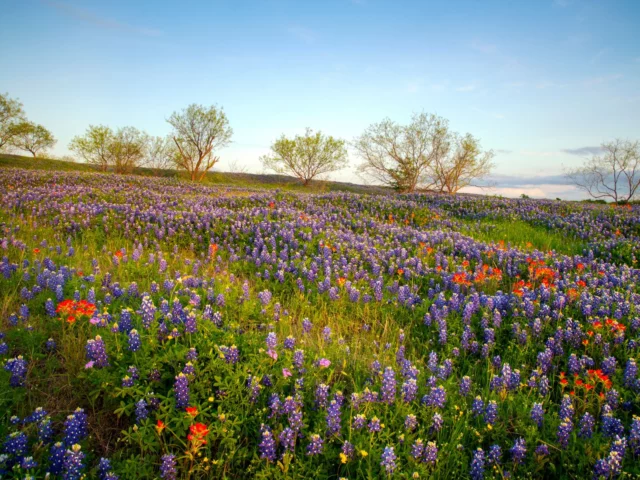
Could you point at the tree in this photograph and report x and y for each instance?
(32, 137)
(160, 153)
(128, 149)
(122, 150)
(197, 132)
(460, 163)
(400, 156)
(306, 156)
(11, 115)
(94, 146)
(615, 174)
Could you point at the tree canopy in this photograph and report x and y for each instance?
(11, 115)
(32, 137)
(425, 154)
(197, 132)
(306, 156)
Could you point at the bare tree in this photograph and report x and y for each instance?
(306, 156)
(614, 175)
(400, 156)
(94, 146)
(197, 132)
(32, 137)
(11, 114)
(236, 167)
(461, 164)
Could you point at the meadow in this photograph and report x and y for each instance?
(154, 328)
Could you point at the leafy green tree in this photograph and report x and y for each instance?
(306, 156)
(32, 137)
(460, 164)
(122, 150)
(128, 149)
(95, 146)
(11, 115)
(197, 132)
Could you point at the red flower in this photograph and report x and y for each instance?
(197, 433)
(66, 306)
(160, 426)
(193, 411)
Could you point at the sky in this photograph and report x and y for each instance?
(542, 82)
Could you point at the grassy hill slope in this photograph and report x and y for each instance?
(239, 179)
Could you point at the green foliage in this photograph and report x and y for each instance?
(197, 132)
(306, 156)
(32, 137)
(11, 114)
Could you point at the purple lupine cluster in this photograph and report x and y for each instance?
(75, 427)
(181, 391)
(96, 353)
(316, 445)
(168, 467)
(572, 313)
(17, 367)
(388, 460)
(267, 444)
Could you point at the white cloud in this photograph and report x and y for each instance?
(534, 191)
(466, 88)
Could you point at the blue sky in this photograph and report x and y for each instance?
(538, 81)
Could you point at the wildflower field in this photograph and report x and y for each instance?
(152, 328)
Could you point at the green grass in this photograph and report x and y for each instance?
(250, 180)
(523, 235)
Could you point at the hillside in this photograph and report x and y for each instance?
(268, 181)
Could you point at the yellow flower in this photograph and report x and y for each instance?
(343, 458)
(210, 399)
(363, 453)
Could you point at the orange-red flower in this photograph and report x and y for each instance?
(160, 426)
(461, 278)
(73, 309)
(198, 433)
(193, 411)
